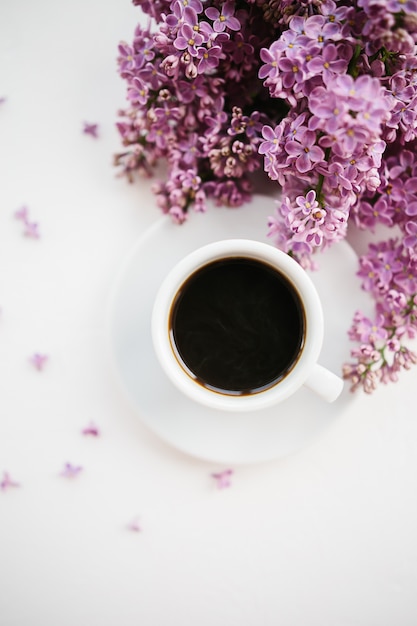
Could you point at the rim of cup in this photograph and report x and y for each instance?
(313, 318)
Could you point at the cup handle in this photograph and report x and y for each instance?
(324, 383)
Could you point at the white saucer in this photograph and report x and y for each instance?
(227, 438)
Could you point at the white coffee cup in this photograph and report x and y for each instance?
(305, 369)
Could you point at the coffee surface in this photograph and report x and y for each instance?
(237, 325)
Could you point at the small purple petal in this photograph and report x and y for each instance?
(303, 163)
(411, 209)
(316, 153)
(212, 13)
(293, 148)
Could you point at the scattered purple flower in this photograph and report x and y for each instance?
(91, 430)
(71, 471)
(90, 129)
(22, 214)
(223, 478)
(39, 361)
(31, 229)
(7, 482)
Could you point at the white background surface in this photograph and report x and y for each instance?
(325, 537)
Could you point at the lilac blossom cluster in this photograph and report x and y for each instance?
(322, 96)
(389, 273)
(188, 85)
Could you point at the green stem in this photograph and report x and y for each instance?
(320, 181)
(319, 187)
(352, 69)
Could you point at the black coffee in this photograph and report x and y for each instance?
(237, 326)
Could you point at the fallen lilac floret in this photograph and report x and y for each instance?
(7, 482)
(22, 214)
(31, 229)
(223, 478)
(91, 129)
(71, 471)
(91, 430)
(38, 360)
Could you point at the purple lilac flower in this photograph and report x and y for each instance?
(308, 203)
(22, 214)
(269, 70)
(189, 149)
(318, 30)
(31, 229)
(71, 471)
(404, 119)
(272, 137)
(188, 39)
(410, 240)
(189, 90)
(403, 190)
(355, 92)
(225, 19)
(291, 72)
(127, 58)
(138, 91)
(333, 13)
(388, 272)
(406, 6)
(175, 18)
(196, 5)
(337, 177)
(91, 430)
(39, 361)
(143, 47)
(209, 58)
(7, 482)
(90, 129)
(328, 63)
(403, 163)
(238, 49)
(223, 478)
(304, 152)
(151, 75)
(379, 213)
(366, 330)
